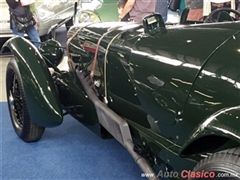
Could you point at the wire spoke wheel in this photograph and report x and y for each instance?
(17, 105)
(15, 100)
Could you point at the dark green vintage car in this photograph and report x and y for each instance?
(169, 95)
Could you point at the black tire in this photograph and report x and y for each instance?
(17, 105)
(224, 164)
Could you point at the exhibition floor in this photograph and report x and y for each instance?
(68, 152)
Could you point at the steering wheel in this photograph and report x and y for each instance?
(210, 17)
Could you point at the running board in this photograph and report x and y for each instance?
(114, 124)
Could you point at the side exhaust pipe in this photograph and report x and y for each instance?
(114, 124)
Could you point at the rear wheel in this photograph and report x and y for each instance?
(18, 108)
(223, 165)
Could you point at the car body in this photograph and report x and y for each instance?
(169, 95)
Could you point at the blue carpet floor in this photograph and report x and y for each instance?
(67, 152)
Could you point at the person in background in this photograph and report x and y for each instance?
(162, 8)
(138, 9)
(195, 9)
(210, 5)
(120, 6)
(32, 31)
(182, 6)
(238, 9)
(238, 5)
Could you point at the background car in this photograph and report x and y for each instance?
(49, 14)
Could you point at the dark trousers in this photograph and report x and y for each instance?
(126, 18)
(220, 5)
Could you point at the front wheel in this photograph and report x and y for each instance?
(18, 108)
(223, 165)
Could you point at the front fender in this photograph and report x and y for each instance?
(41, 95)
(224, 123)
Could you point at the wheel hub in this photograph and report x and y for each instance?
(15, 103)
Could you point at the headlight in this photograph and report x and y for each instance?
(84, 17)
(88, 17)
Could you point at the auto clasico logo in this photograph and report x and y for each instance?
(187, 174)
(198, 174)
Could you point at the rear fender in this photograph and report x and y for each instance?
(41, 95)
(221, 126)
